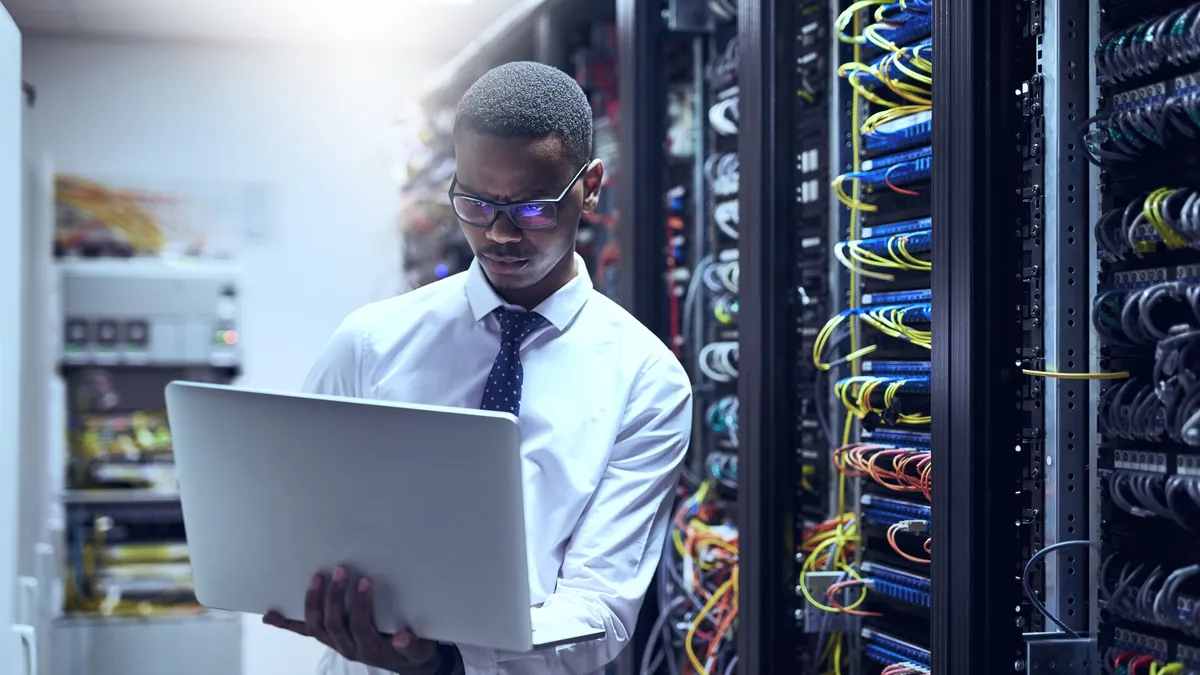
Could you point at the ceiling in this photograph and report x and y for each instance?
(432, 28)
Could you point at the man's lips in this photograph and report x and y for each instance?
(503, 264)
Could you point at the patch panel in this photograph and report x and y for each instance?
(904, 28)
(912, 242)
(1188, 656)
(897, 159)
(895, 649)
(1136, 279)
(901, 133)
(893, 66)
(896, 367)
(904, 173)
(1140, 643)
(902, 227)
(899, 437)
(900, 509)
(897, 297)
(918, 384)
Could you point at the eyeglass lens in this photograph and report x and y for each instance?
(530, 215)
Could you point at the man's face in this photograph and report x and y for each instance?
(510, 170)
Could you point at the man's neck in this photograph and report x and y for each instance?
(529, 298)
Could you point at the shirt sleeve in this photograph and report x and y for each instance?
(338, 369)
(616, 546)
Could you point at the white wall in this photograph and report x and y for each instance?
(10, 333)
(311, 125)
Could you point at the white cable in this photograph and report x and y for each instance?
(723, 116)
(716, 361)
(725, 215)
(712, 278)
(728, 274)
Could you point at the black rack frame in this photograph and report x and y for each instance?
(642, 243)
(973, 367)
(766, 465)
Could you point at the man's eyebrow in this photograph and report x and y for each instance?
(536, 194)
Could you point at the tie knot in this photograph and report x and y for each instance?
(516, 326)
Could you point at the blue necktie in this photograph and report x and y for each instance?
(503, 390)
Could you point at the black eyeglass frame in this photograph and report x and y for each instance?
(509, 207)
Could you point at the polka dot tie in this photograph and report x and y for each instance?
(503, 390)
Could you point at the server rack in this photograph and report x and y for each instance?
(991, 317)
(1146, 277)
(1022, 480)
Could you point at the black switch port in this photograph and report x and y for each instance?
(137, 333)
(78, 332)
(107, 333)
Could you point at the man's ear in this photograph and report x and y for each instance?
(593, 179)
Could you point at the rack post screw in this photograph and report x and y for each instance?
(799, 615)
(1019, 665)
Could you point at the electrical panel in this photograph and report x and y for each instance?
(1146, 319)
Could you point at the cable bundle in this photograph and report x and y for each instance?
(723, 468)
(722, 417)
(855, 394)
(718, 361)
(697, 588)
(1149, 495)
(905, 71)
(723, 68)
(1170, 216)
(1154, 596)
(1144, 47)
(723, 116)
(1128, 663)
(830, 547)
(1145, 121)
(895, 468)
(1166, 403)
(890, 252)
(721, 170)
(907, 668)
(725, 217)
(892, 320)
(99, 207)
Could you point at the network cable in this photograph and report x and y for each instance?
(725, 217)
(897, 252)
(718, 361)
(856, 392)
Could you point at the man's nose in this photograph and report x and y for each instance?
(503, 231)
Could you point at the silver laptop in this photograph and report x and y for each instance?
(425, 500)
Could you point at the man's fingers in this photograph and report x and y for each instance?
(362, 625)
(314, 610)
(413, 649)
(276, 619)
(335, 613)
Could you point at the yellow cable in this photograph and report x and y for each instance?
(1121, 375)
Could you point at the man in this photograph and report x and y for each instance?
(604, 407)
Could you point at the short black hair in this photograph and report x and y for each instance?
(524, 99)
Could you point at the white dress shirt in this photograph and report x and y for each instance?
(605, 422)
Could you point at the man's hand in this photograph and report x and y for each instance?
(352, 633)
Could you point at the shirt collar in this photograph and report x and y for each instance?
(559, 309)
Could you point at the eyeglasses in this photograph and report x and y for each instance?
(535, 214)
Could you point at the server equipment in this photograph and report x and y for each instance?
(913, 455)
(127, 327)
(1141, 141)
